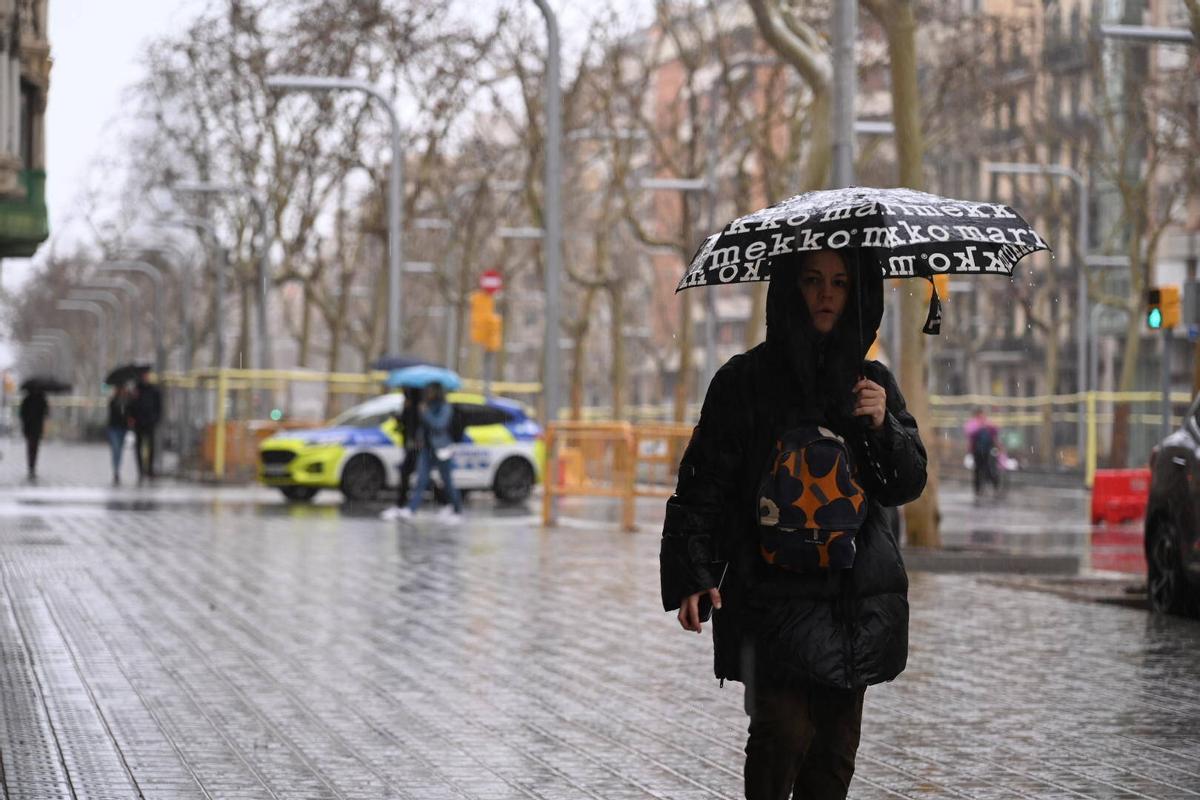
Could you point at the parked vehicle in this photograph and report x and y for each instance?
(1172, 528)
(359, 451)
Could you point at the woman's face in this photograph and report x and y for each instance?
(824, 283)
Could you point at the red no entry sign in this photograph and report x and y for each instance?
(490, 281)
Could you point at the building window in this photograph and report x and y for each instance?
(28, 104)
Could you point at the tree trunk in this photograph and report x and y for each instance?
(756, 326)
(1118, 454)
(921, 515)
(305, 325)
(1046, 432)
(683, 378)
(243, 342)
(616, 295)
(579, 354)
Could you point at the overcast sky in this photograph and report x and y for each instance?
(96, 47)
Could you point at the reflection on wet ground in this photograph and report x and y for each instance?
(208, 643)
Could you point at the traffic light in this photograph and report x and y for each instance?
(1162, 307)
(482, 310)
(495, 332)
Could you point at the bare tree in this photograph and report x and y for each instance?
(209, 111)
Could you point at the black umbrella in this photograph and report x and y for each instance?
(43, 383)
(908, 234)
(125, 373)
(401, 362)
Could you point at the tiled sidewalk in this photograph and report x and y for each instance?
(186, 647)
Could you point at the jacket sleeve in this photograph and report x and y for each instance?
(700, 512)
(894, 473)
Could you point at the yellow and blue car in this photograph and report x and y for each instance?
(360, 450)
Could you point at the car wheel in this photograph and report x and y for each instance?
(1167, 585)
(298, 494)
(362, 478)
(514, 481)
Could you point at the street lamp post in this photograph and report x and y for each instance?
(62, 343)
(1144, 33)
(845, 79)
(185, 300)
(43, 352)
(96, 310)
(262, 350)
(395, 206)
(135, 316)
(552, 213)
(1081, 295)
(156, 280)
(218, 256)
(114, 304)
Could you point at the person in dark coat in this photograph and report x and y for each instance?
(805, 645)
(120, 420)
(33, 411)
(147, 413)
(408, 424)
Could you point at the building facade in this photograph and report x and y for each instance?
(24, 83)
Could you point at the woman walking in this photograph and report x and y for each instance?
(120, 407)
(778, 522)
(437, 451)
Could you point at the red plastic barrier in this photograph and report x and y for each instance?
(1120, 495)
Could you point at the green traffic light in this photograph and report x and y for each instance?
(1154, 318)
(276, 414)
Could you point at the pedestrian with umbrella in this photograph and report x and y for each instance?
(120, 421)
(33, 412)
(408, 425)
(436, 423)
(778, 520)
(146, 414)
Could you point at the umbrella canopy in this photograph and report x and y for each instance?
(907, 234)
(421, 376)
(399, 362)
(125, 373)
(44, 383)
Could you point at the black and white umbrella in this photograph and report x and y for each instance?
(909, 234)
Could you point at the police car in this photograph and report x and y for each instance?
(359, 451)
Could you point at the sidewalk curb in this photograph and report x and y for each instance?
(950, 560)
(1128, 591)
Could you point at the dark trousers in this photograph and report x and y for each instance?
(802, 742)
(31, 451)
(985, 467)
(144, 447)
(427, 462)
(407, 468)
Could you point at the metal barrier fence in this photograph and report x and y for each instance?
(214, 419)
(611, 459)
(1042, 432)
(624, 461)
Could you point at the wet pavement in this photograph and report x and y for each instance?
(179, 641)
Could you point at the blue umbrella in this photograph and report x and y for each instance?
(421, 376)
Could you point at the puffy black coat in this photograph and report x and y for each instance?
(847, 629)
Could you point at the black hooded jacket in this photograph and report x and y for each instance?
(844, 630)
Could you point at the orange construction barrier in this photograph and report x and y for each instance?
(611, 459)
(1120, 495)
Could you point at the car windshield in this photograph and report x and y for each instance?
(366, 415)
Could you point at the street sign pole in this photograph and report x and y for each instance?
(1168, 338)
